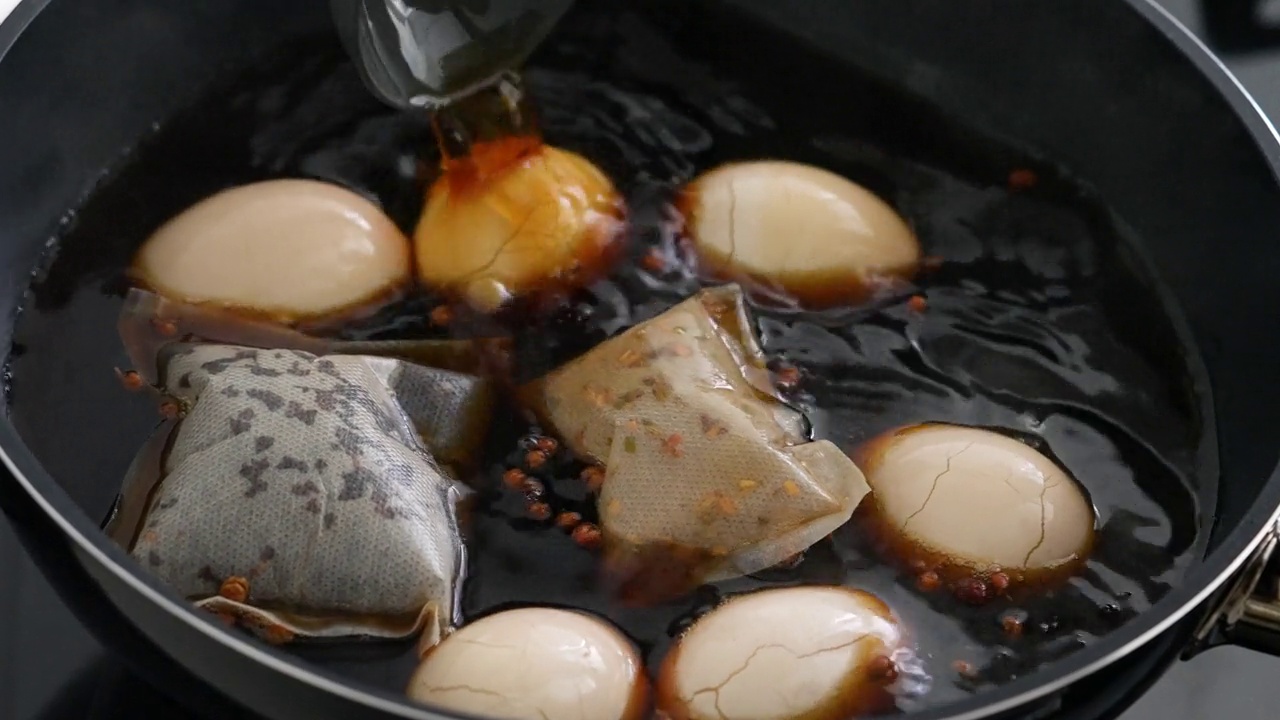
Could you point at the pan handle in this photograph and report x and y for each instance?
(1248, 613)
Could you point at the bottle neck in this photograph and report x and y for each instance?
(430, 53)
(487, 131)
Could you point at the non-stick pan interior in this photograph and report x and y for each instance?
(1128, 116)
(1123, 110)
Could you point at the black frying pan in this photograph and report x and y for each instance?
(1115, 91)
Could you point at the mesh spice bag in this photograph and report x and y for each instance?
(296, 490)
(708, 474)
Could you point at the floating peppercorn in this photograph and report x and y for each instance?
(514, 478)
(567, 521)
(588, 536)
(928, 581)
(166, 328)
(441, 316)
(999, 582)
(593, 476)
(972, 591)
(130, 379)
(882, 669)
(535, 459)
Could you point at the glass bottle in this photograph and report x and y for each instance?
(428, 53)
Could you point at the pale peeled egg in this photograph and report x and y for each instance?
(972, 502)
(286, 250)
(811, 234)
(533, 664)
(803, 653)
(544, 223)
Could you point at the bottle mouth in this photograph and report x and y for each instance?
(419, 54)
(490, 129)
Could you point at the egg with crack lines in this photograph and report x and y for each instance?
(974, 505)
(797, 231)
(532, 664)
(802, 653)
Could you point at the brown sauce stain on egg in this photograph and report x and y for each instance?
(813, 287)
(863, 691)
(971, 582)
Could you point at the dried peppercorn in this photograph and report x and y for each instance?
(169, 409)
(787, 377)
(672, 445)
(567, 521)
(441, 316)
(235, 589)
(166, 328)
(972, 591)
(882, 669)
(277, 634)
(514, 478)
(587, 535)
(535, 459)
(999, 582)
(928, 581)
(130, 379)
(593, 476)
(1022, 179)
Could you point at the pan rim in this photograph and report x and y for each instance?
(1201, 582)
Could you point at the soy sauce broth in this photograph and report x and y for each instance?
(1042, 318)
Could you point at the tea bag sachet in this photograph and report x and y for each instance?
(296, 489)
(446, 387)
(708, 474)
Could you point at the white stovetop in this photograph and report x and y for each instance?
(6, 6)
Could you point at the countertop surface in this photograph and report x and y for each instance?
(44, 653)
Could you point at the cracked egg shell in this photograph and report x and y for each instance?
(285, 250)
(802, 653)
(816, 236)
(971, 502)
(535, 663)
(544, 222)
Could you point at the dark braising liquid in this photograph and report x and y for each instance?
(1041, 318)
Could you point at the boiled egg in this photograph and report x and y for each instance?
(971, 504)
(797, 230)
(533, 664)
(286, 250)
(803, 653)
(543, 222)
